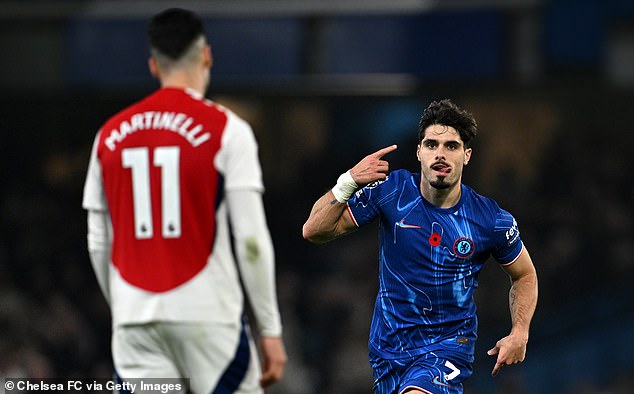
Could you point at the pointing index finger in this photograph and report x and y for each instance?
(382, 152)
(496, 369)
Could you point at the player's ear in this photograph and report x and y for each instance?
(153, 66)
(208, 59)
(467, 155)
(418, 152)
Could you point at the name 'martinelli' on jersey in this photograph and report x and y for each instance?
(179, 123)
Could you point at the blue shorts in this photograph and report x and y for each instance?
(434, 373)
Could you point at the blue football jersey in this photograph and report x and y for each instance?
(429, 261)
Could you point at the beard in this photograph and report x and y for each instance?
(440, 184)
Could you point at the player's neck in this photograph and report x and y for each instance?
(441, 198)
(182, 80)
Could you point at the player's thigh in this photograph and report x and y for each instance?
(214, 356)
(138, 352)
(386, 374)
(431, 373)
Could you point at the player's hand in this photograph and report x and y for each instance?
(372, 168)
(274, 360)
(509, 350)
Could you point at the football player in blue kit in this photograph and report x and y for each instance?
(435, 234)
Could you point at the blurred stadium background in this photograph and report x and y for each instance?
(324, 83)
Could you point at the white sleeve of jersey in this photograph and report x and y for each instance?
(99, 239)
(237, 160)
(94, 196)
(256, 260)
(99, 248)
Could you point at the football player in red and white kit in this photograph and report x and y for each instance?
(167, 176)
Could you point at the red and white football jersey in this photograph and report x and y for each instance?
(161, 167)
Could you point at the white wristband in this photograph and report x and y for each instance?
(345, 187)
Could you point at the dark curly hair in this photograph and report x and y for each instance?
(446, 113)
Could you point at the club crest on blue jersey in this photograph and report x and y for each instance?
(463, 247)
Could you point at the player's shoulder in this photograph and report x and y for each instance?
(188, 101)
(480, 201)
(486, 205)
(385, 190)
(399, 177)
(393, 179)
(207, 110)
(476, 196)
(234, 121)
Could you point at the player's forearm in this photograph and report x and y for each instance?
(257, 262)
(522, 303)
(323, 222)
(99, 248)
(256, 259)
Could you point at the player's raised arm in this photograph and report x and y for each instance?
(328, 218)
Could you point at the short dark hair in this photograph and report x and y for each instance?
(173, 31)
(446, 113)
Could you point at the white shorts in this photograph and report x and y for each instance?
(215, 358)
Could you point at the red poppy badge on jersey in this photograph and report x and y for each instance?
(434, 239)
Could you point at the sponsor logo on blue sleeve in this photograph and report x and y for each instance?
(513, 233)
